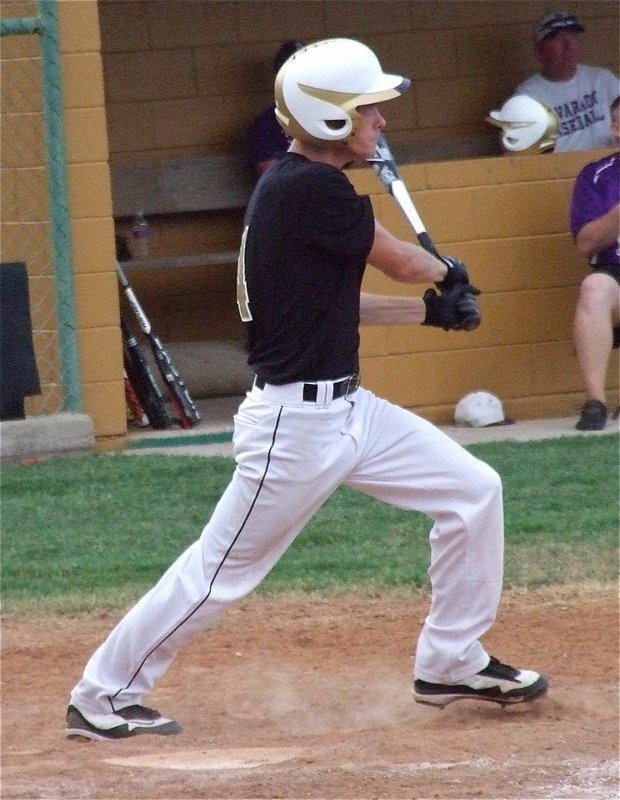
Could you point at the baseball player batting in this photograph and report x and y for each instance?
(307, 425)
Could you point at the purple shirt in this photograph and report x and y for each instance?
(596, 190)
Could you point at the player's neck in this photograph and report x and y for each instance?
(337, 155)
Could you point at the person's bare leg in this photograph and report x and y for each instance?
(596, 313)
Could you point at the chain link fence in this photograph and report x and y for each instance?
(33, 190)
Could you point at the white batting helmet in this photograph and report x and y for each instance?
(529, 126)
(318, 89)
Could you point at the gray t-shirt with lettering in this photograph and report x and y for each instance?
(581, 104)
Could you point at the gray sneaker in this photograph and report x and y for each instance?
(496, 683)
(128, 721)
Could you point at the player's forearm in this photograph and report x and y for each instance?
(391, 310)
(404, 261)
(599, 233)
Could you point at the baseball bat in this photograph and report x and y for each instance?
(387, 171)
(135, 412)
(142, 381)
(186, 411)
(384, 165)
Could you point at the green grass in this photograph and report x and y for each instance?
(97, 531)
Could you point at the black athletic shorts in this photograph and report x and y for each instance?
(608, 269)
(614, 271)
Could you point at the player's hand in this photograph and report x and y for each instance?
(452, 309)
(456, 275)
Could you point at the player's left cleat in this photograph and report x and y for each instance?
(130, 721)
(496, 683)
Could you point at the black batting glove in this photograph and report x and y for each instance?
(439, 312)
(456, 274)
(453, 309)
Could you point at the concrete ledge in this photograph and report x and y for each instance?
(46, 435)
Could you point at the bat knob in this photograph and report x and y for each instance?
(471, 324)
(469, 313)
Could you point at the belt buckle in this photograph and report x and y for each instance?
(341, 388)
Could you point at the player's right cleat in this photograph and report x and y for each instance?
(496, 683)
(129, 721)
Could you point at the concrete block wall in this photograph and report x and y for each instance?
(185, 78)
(92, 226)
(188, 77)
(24, 177)
(508, 219)
(24, 231)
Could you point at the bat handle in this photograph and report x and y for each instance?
(401, 195)
(427, 243)
(121, 276)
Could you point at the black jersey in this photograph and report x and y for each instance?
(307, 236)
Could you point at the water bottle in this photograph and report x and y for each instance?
(140, 236)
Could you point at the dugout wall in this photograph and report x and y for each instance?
(150, 80)
(507, 218)
(57, 215)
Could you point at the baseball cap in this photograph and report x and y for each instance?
(480, 409)
(554, 22)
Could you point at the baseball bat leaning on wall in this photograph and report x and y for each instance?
(186, 411)
(142, 381)
(135, 412)
(385, 166)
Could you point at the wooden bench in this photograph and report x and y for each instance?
(220, 183)
(181, 186)
(186, 186)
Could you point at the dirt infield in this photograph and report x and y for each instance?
(311, 699)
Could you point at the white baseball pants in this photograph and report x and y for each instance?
(290, 457)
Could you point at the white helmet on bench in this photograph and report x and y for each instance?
(529, 126)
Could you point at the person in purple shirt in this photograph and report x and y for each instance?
(266, 139)
(595, 227)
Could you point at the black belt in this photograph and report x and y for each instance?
(310, 391)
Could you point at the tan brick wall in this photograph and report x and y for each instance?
(92, 229)
(508, 219)
(186, 78)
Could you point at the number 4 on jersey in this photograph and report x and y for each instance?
(243, 301)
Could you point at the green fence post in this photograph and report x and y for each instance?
(19, 26)
(59, 206)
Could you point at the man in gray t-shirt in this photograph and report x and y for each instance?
(579, 94)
